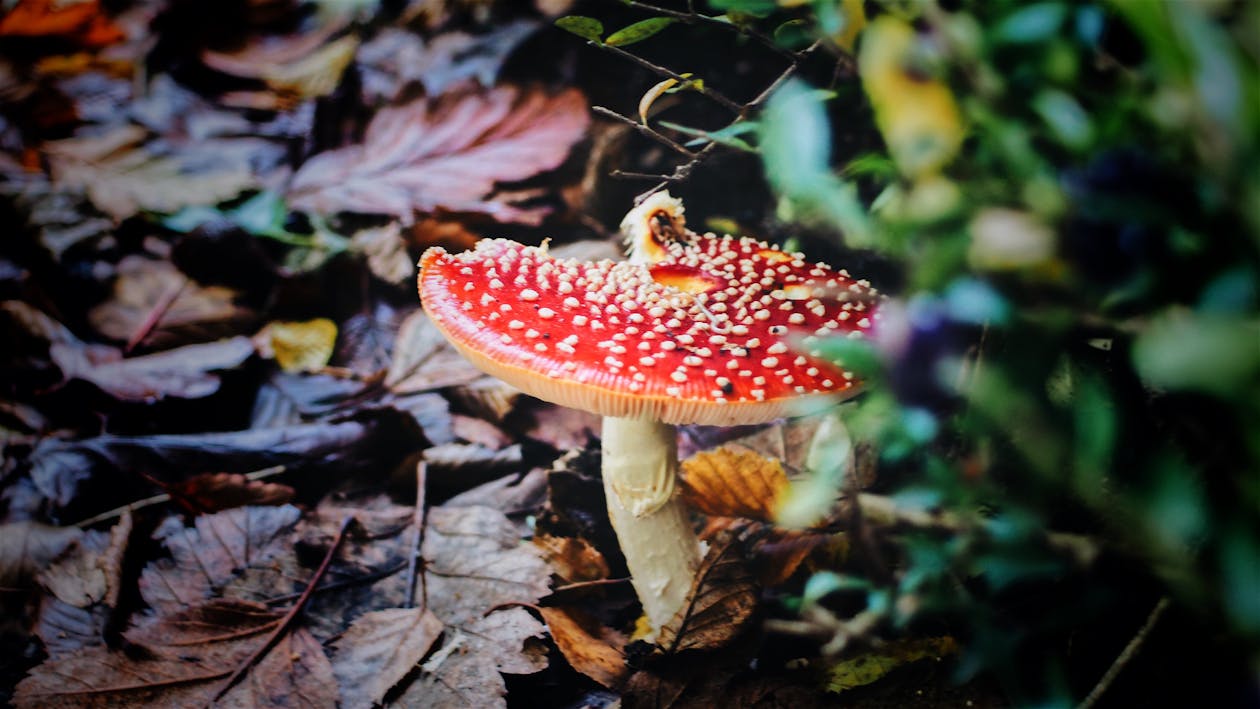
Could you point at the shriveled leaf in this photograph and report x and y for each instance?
(231, 554)
(638, 31)
(28, 547)
(144, 285)
(873, 664)
(379, 650)
(83, 588)
(122, 175)
(649, 97)
(445, 153)
(215, 492)
(471, 463)
(587, 28)
(732, 483)
(573, 558)
(182, 660)
(722, 599)
(590, 647)
(185, 372)
(304, 346)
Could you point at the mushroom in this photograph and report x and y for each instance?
(694, 329)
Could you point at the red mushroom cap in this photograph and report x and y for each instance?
(704, 336)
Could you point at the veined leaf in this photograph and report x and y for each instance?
(584, 27)
(638, 31)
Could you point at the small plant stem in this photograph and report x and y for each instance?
(645, 130)
(1126, 655)
(288, 619)
(156, 314)
(658, 69)
(159, 499)
(413, 559)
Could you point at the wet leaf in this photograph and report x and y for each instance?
(182, 660)
(721, 602)
(638, 31)
(590, 647)
(215, 492)
(872, 665)
(185, 372)
(446, 153)
(231, 554)
(587, 28)
(304, 346)
(379, 650)
(732, 483)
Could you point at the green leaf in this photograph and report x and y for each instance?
(728, 136)
(582, 26)
(638, 31)
(1214, 354)
(1031, 23)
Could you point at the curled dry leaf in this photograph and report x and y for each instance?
(721, 602)
(423, 359)
(184, 372)
(28, 547)
(214, 492)
(573, 558)
(380, 649)
(733, 483)
(83, 589)
(446, 153)
(590, 647)
(386, 253)
(181, 659)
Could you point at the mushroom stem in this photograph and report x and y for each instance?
(661, 549)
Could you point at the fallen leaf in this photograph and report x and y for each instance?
(395, 58)
(379, 650)
(874, 664)
(573, 558)
(214, 492)
(778, 555)
(367, 338)
(451, 234)
(234, 554)
(301, 65)
(83, 588)
(181, 660)
(479, 431)
(184, 372)
(386, 252)
(28, 547)
(590, 647)
(123, 175)
(510, 493)
(82, 21)
(731, 483)
(563, 427)
(446, 153)
(196, 310)
(423, 358)
(459, 466)
(721, 602)
(304, 346)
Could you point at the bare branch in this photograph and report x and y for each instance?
(645, 130)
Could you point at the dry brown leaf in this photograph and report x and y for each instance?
(732, 483)
(396, 58)
(304, 346)
(447, 153)
(83, 589)
(782, 551)
(182, 660)
(123, 175)
(82, 21)
(590, 647)
(214, 492)
(244, 554)
(184, 372)
(386, 253)
(475, 430)
(562, 427)
(573, 558)
(379, 650)
(424, 360)
(28, 547)
(722, 600)
(302, 65)
(143, 284)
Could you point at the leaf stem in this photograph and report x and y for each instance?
(658, 69)
(645, 130)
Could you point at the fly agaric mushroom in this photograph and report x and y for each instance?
(692, 330)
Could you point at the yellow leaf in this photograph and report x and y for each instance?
(303, 346)
(317, 74)
(916, 114)
(854, 20)
(873, 665)
(730, 483)
(649, 98)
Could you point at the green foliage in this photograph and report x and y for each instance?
(587, 28)
(638, 31)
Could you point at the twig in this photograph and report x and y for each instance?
(287, 621)
(159, 499)
(645, 130)
(658, 69)
(370, 577)
(417, 539)
(155, 315)
(1126, 655)
(590, 584)
(692, 17)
